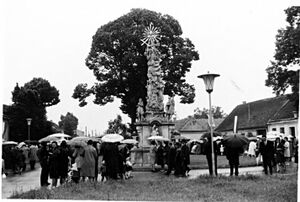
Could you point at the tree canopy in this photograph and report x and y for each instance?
(118, 62)
(204, 113)
(282, 73)
(116, 126)
(68, 123)
(30, 101)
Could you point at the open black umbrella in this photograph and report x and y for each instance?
(235, 141)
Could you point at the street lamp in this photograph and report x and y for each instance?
(209, 84)
(28, 124)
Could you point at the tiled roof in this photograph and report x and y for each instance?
(254, 114)
(192, 124)
(286, 112)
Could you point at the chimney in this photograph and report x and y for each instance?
(295, 113)
(244, 102)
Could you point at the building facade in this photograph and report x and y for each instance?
(259, 117)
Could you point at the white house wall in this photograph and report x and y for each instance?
(286, 125)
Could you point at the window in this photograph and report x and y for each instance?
(282, 130)
(273, 129)
(292, 131)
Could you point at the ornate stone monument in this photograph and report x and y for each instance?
(154, 121)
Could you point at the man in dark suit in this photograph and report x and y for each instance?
(266, 148)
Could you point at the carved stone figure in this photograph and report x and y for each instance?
(170, 107)
(155, 131)
(140, 110)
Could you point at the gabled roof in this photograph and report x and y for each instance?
(192, 124)
(254, 114)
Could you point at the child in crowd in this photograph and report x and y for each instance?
(74, 173)
(128, 168)
(103, 171)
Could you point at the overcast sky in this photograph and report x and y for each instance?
(51, 39)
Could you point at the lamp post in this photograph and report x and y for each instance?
(28, 124)
(209, 84)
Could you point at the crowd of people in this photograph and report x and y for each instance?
(115, 160)
(274, 154)
(19, 158)
(176, 155)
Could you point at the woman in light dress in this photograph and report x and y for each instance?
(252, 149)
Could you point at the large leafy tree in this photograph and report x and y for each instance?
(118, 62)
(282, 73)
(68, 123)
(204, 113)
(30, 101)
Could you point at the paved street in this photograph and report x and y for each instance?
(30, 179)
(21, 183)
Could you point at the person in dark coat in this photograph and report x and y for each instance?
(166, 153)
(63, 161)
(43, 156)
(160, 155)
(266, 148)
(171, 158)
(123, 154)
(279, 154)
(207, 152)
(54, 161)
(233, 154)
(97, 161)
(186, 157)
(110, 156)
(179, 170)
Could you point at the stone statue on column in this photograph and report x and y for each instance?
(140, 110)
(170, 107)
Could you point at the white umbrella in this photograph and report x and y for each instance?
(112, 138)
(82, 140)
(9, 143)
(158, 138)
(270, 136)
(194, 140)
(49, 139)
(129, 141)
(217, 138)
(59, 135)
(21, 144)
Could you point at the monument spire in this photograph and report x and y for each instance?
(155, 84)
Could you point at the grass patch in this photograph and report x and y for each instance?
(158, 187)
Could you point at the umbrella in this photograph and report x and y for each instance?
(32, 142)
(21, 144)
(81, 141)
(178, 137)
(77, 143)
(217, 138)
(194, 140)
(9, 143)
(271, 136)
(235, 141)
(49, 139)
(129, 141)
(60, 135)
(252, 138)
(159, 138)
(112, 138)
